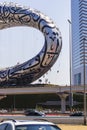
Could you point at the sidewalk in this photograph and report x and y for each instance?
(72, 127)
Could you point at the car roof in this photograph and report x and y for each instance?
(32, 122)
(27, 122)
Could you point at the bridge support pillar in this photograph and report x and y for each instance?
(63, 96)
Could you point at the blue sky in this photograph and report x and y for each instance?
(19, 44)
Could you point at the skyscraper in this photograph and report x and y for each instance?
(79, 41)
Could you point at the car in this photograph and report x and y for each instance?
(77, 114)
(11, 124)
(32, 112)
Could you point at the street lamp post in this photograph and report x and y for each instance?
(84, 80)
(71, 100)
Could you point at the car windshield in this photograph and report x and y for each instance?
(37, 127)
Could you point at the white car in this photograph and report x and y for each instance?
(11, 124)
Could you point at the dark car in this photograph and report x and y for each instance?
(77, 114)
(31, 112)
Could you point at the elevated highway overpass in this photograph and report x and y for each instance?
(40, 90)
(61, 91)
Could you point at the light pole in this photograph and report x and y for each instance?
(14, 103)
(71, 100)
(84, 40)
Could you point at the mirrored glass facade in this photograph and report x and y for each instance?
(79, 40)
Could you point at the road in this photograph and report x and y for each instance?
(60, 121)
(55, 119)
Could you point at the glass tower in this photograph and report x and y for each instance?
(79, 41)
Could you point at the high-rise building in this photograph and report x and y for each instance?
(79, 41)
